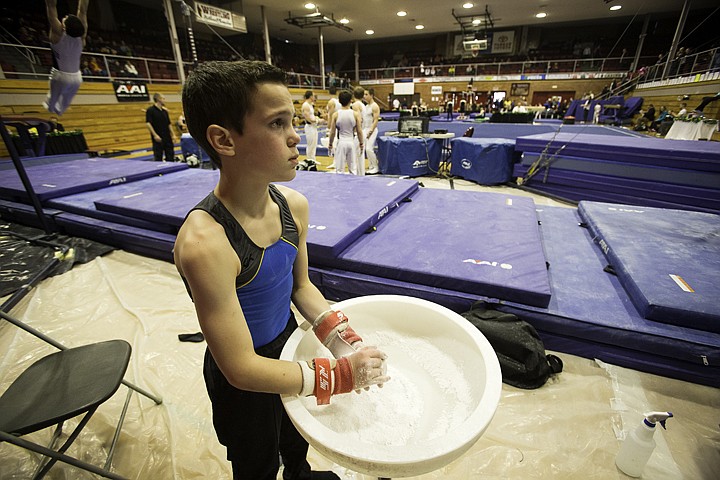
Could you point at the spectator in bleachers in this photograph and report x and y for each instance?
(67, 39)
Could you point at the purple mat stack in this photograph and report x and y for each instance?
(645, 171)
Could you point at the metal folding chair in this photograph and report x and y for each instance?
(60, 386)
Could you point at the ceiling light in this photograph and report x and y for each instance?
(541, 15)
(344, 21)
(476, 21)
(309, 6)
(401, 13)
(615, 7)
(419, 27)
(369, 32)
(468, 5)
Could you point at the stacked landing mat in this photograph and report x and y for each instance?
(471, 242)
(668, 261)
(678, 174)
(591, 315)
(64, 178)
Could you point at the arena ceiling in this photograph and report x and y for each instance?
(436, 16)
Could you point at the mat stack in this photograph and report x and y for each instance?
(646, 171)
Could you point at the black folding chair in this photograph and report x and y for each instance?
(58, 387)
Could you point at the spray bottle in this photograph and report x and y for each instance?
(638, 446)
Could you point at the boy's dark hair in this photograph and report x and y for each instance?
(371, 91)
(344, 98)
(74, 26)
(221, 93)
(308, 94)
(358, 92)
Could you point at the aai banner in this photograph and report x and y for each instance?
(131, 91)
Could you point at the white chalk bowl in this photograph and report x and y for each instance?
(444, 391)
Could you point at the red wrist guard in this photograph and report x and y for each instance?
(328, 324)
(341, 377)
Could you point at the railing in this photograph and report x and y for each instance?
(689, 68)
(155, 70)
(500, 68)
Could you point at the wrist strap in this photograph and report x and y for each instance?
(308, 377)
(328, 324)
(323, 380)
(343, 376)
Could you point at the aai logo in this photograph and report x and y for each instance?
(131, 89)
(466, 164)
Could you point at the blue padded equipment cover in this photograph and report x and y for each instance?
(487, 161)
(667, 260)
(409, 156)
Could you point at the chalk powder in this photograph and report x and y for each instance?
(427, 396)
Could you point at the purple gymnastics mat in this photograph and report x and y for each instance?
(178, 192)
(342, 207)
(478, 243)
(589, 314)
(628, 190)
(667, 260)
(686, 154)
(136, 240)
(57, 179)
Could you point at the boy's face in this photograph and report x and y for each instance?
(269, 141)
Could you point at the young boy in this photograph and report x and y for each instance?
(347, 123)
(243, 257)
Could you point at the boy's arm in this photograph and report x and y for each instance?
(376, 116)
(306, 297)
(331, 327)
(56, 28)
(205, 258)
(331, 133)
(358, 129)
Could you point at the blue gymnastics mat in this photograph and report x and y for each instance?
(589, 313)
(57, 179)
(667, 260)
(479, 243)
(342, 207)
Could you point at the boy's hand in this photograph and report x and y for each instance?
(358, 370)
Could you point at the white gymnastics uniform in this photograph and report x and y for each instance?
(65, 76)
(311, 135)
(345, 150)
(367, 121)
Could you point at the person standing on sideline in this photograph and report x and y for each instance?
(242, 255)
(332, 106)
(157, 120)
(67, 40)
(347, 123)
(311, 127)
(370, 117)
(358, 165)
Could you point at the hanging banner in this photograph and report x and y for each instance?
(503, 42)
(219, 17)
(131, 91)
